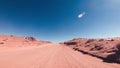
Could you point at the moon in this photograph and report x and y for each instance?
(81, 15)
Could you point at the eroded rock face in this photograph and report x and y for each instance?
(107, 49)
(114, 57)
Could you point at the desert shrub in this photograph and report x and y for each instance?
(11, 35)
(101, 40)
(1, 42)
(30, 38)
(70, 43)
(110, 39)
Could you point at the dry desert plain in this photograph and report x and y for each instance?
(45, 55)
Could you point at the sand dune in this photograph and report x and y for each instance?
(49, 56)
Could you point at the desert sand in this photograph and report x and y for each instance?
(27, 52)
(16, 41)
(48, 56)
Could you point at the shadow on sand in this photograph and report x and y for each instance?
(113, 58)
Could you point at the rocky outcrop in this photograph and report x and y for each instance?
(107, 49)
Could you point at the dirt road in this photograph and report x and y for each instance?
(49, 56)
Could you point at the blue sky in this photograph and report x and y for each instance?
(57, 20)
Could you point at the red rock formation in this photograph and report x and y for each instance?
(107, 49)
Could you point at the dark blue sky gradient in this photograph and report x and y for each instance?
(56, 20)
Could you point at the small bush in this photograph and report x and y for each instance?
(70, 43)
(1, 42)
(30, 38)
(101, 40)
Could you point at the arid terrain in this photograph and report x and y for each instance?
(16, 53)
(14, 41)
(107, 49)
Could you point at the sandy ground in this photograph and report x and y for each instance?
(49, 56)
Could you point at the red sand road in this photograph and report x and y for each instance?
(49, 56)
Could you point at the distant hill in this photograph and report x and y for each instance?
(12, 41)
